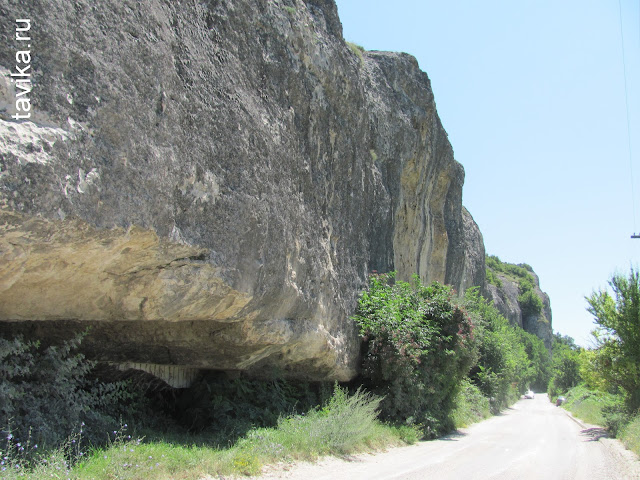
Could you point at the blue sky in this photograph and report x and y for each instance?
(532, 95)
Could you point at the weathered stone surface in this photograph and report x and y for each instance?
(209, 184)
(505, 299)
(473, 268)
(540, 325)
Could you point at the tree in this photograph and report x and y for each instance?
(539, 361)
(510, 359)
(618, 334)
(417, 348)
(566, 365)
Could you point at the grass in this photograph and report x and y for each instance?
(470, 406)
(601, 408)
(346, 424)
(630, 435)
(358, 50)
(588, 405)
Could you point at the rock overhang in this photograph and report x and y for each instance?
(209, 186)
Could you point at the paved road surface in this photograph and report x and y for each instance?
(531, 440)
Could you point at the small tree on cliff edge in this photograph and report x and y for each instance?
(618, 334)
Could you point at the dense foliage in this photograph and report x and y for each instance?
(602, 385)
(471, 405)
(529, 301)
(228, 408)
(522, 270)
(432, 359)
(510, 359)
(565, 372)
(422, 343)
(618, 335)
(418, 346)
(344, 424)
(46, 394)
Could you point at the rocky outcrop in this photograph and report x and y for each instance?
(504, 293)
(209, 184)
(541, 324)
(473, 267)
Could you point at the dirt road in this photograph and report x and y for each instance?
(531, 440)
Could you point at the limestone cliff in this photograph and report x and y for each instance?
(208, 184)
(507, 286)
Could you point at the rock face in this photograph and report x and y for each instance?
(208, 184)
(473, 268)
(505, 298)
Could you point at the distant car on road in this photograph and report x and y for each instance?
(529, 394)
(560, 401)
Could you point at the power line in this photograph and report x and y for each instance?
(626, 99)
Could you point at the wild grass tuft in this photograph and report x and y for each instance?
(345, 424)
(358, 50)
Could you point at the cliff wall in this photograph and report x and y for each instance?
(505, 286)
(208, 184)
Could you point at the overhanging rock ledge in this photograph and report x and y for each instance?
(209, 184)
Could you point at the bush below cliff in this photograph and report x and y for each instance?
(417, 349)
(422, 343)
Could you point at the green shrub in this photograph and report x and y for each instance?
(518, 271)
(470, 405)
(417, 347)
(616, 416)
(530, 303)
(492, 278)
(537, 371)
(618, 336)
(510, 359)
(565, 367)
(344, 422)
(599, 408)
(229, 408)
(46, 393)
(493, 262)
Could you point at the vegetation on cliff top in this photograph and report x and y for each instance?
(529, 301)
